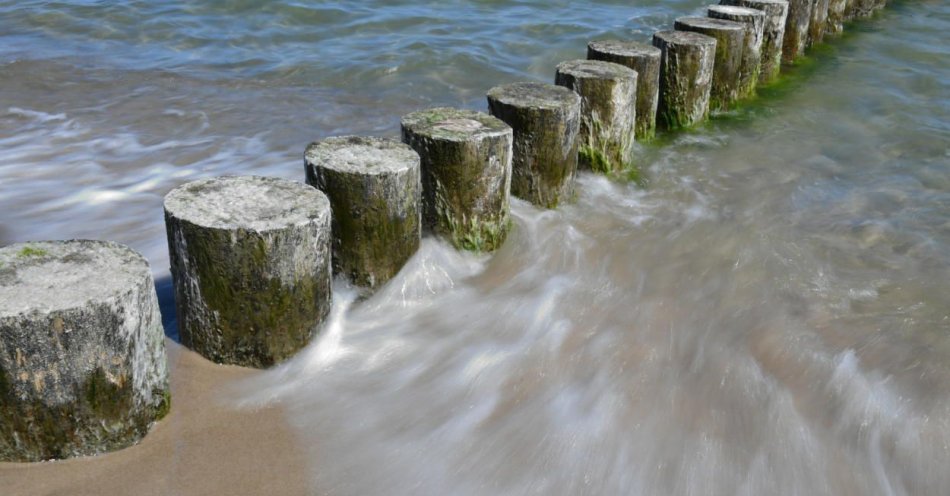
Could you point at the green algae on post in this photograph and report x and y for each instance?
(250, 263)
(816, 25)
(466, 174)
(751, 62)
(796, 30)
(727, 76)
(776, 13)
(644, 59)
(82, 352)
(545, 119)
(686, 70)
(375, 190)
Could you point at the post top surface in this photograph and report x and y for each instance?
(733, 11)
(706, 23)
(46, 276)
(536, 95)
(596, 69)
(624, 48)
(453, 124)
(361, 155)
(246, 202)
(684, 38)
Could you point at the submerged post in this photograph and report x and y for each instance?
(545, 119)
(730, 38)
(644, 59)
(250, 263)
(82, 351)
(816, 25)
(796, 30)
(375, 190)
(776, 12)
(754, 22)
(608, 94)
(686, 71)
(466, 174)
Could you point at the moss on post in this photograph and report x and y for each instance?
(686, 69)
(751, 64)
(796, 30)
(375, 189)
(250, 260)
(545, 119)
(817, 22)
(727, 74)
(644, 59)
(776, 13)
(608, 94)
(466, 174)
(82, 352)
(837, 11)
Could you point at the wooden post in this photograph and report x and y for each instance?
(545, 119)
(608, 94)
(645, 60)
(375, 191)
(816, 25)
(82, 351)
(730, 38)
(754, 22)
(796, 30)
(466, 174)
(836, 16)
(776, 13)
(686, 72)
(250, 263)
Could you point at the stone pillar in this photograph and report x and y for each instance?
(645, 60)
(375, 190)
(796, 30)
(754, 22)
(686, 71)
(730, 38)
(545, 119)
(82, 350)
(250, 263)
(776, 12)
(466, 174)
(816, 25)
(608, 94)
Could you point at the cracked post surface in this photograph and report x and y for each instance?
(727, 76)
(686, 69)
(776, 13)
(644, 59)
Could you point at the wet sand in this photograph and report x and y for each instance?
(206, 445)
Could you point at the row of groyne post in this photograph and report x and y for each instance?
(82, 355)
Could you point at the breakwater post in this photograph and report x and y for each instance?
(375, 191)
(776, 12)
(644, 59)
(466, 174)
(796, 30)
(836, 16)
(816, 25)
(608, 94)
(82, 352)
(754, 22)
(250, 263)
(730, 38)
(546, 120)
(686, 71)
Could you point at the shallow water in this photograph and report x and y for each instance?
(769, 316)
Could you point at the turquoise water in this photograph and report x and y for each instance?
(770, 315)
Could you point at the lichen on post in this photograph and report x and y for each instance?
(375, 190)
(796, 30)
(250, 263)
(730, 40)
(466, 174)
(686, 71)
(776, 12)
(754, 21)
(608, 94)
(545, 119)
(816, 25)
(82, 353)
(645, 60)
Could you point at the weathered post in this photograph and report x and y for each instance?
(796, 30)
(645, 60)
(816, 25)
(754, 22)
(608, 94)
(776, 12)
(686, 71)
(545, 119)
(375, 190)
(466, 174)
(82, 351)
(730, 37)
(250, 263)
(836, 16)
